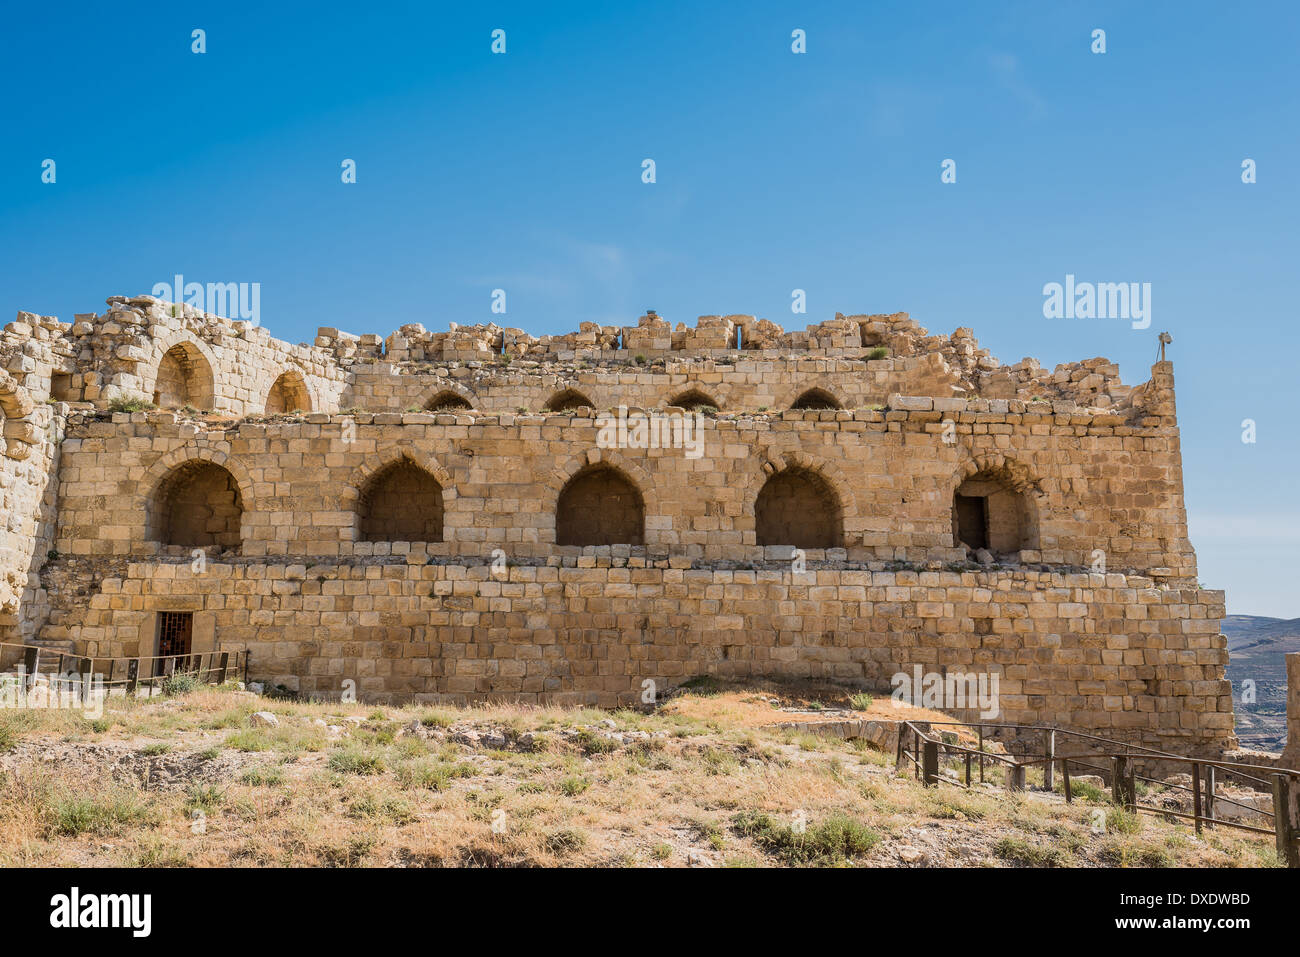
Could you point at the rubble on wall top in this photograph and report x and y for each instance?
(130, 325)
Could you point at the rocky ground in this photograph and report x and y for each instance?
(217, 777)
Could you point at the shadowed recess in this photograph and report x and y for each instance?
(288, 394)
(197, 505)
(600, 506)
(798, 507)
(184, 379)
(988, 512)
(401, 503)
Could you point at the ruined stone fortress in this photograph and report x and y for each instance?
(433, 514)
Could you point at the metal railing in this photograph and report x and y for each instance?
(1065, 749)
(65, 671)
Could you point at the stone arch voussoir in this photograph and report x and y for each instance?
(382, 459)
(769, 461)
(816, 384)
(218, 453)
(721, 393)
(440, 386)
(1018, 476)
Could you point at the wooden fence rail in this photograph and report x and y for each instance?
(925, 751)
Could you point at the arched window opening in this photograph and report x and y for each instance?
(288, 394)
(198, 505)
(816, 399)
(567, 401)
(798, 507)
(448, 401)
(401, 503)
(600, 506)
(693, 400)
(989, 513)
(184, 379)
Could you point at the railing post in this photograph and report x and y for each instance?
(1123, 789)
(132, 675)
(225, 663)
(1196, 794)
(32, 665)
(1015, 777)
(981, 731)
(1209, 793)
(967, 769)
(930, 762)
(87, 672)
(1049, 747)
(1065, 779)
(1286, 819)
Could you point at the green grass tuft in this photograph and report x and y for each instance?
(353, 760)
(832, 840)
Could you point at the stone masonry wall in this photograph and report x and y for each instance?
(28, 461)
(741, 384)
(1111, 653)
(1095, 621)
(118, 355)
(892, 471)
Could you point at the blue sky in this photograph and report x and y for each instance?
(775, 171)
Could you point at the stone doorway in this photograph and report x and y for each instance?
(972, 520)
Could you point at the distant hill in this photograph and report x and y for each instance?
(1257, 648)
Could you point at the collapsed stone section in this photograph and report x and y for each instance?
(175, 356)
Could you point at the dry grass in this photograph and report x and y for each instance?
(724, 704)
(187, 782)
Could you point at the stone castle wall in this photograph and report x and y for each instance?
(1111, 653)
(263, 496)
(28, 460)
(891, 471)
